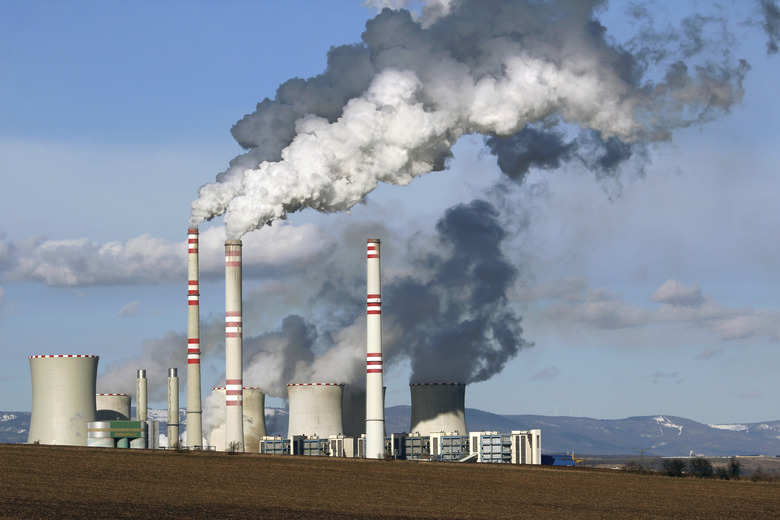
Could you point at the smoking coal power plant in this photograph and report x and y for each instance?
(541, 85)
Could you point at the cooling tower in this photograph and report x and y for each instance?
(353, 416)
(254, 420)
(315, 409)
(63, 398)
(438, 407)
(194, 409)
(375, 406)
(112, 407)
(173, 408)
(140, 396)
(234, 401)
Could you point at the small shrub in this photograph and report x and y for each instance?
(636, 467)
(674, 467)
(701, 468)
(234, 447)
(734, 468)
(722, 473)
(760, 475)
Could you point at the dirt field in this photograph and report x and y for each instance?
(70, 482)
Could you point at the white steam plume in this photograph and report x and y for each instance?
(390, 108)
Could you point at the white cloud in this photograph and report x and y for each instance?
(681, 304)
(149, 260)
(131, 309)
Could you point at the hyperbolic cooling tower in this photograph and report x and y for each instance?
(63, 398)
(375, 403)
(438, 407)
(194, 409)
(254, 420)
(315, 409)
(353, 413)
(112, 407)
(140, 396)
(234, 379)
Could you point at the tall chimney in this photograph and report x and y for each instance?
(375, 406)
(194, 410)
(173, 408)
(140, 396)
(234, 395)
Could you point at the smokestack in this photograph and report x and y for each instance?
(254, 420)
(234, 396)
(315, 409)
(63, 398)
(438, 407)
(140, 396)
(194, 409)
(375, 405)
(173, 408)
(112, 407)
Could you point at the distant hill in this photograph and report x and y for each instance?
(652, 435)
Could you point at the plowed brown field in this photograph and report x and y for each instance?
(70, 482)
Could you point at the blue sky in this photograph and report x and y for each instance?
(651, 293)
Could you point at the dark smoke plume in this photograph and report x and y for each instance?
(457, 325)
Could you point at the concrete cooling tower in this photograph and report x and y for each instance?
(254, 419)
(112, 407)
(438, 407)
(315, 409)
(63, 398)
(353, 416)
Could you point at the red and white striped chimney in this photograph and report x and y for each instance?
(194, 410)
(375, 405)
(234, 395)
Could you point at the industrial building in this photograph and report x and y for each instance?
(325, 418)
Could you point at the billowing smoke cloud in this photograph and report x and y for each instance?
(391, 108)
(447, 315)
(457, 325)
(771, 24)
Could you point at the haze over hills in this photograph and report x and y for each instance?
(661, 435)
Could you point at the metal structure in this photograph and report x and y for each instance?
(438, 407)
(173, 408)
(375, 405)
(234, 397)
(140, 396)
(254, 420)
(315, 409)
(194, 406)
(112, 407)
(63, 398)
(118, 434)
